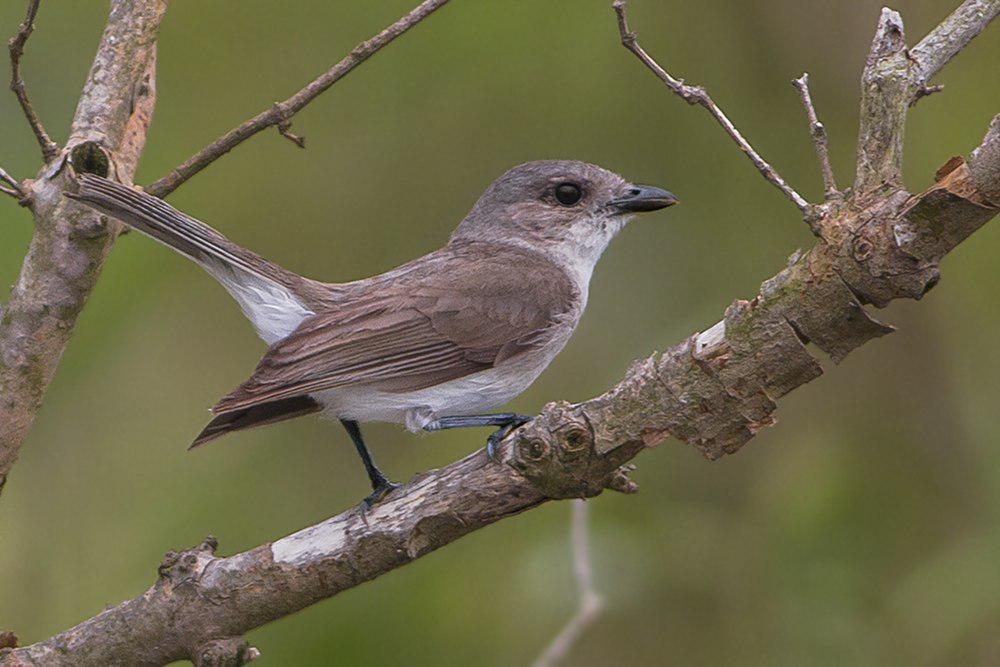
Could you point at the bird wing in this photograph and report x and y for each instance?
(422, 329)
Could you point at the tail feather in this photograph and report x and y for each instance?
(159, 220)
(258, 415)
(273, 298)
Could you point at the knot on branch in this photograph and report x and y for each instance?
(228, 652)
(177, 568)
(557, 453)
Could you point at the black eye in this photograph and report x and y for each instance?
(568, 194)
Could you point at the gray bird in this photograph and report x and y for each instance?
(433, 344)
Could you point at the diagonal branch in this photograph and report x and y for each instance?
(951, 36)
(280, 113)
(714, 390)
(16, 44)
(589, 605)
(818, 134)
(698, 95)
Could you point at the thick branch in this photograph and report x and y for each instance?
(16, 45)
(281, 112)
(818, 134)
(715, 390)
(698, 95)
(70, 244)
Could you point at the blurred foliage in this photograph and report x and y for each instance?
(861, 530)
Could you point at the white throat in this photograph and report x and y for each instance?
(578, 252)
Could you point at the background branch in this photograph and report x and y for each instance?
(281, 112)
(589, 605)
(698, 95)
(16, 45)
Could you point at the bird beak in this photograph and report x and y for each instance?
(639, 198)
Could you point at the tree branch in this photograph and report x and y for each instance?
(818, 134)
(951, 36)
(70, 244)
(16, 45)
(589, 605)
(281, 112)
(698, 95)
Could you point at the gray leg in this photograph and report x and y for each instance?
(507, 421)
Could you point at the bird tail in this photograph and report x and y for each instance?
(266, 292)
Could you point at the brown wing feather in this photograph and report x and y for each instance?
(478, 307)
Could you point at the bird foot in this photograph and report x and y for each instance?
(498, 435)
(378, 494)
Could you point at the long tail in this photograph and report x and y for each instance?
(268, 294)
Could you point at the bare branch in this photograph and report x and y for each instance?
(714, 390)
(589, 605)
(951, 36)
(698, 95)
(281, 112)
(16, 44)
(885, 97)
(818, 134)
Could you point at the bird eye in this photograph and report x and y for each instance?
(568, 194)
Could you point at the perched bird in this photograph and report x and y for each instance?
(433, 344)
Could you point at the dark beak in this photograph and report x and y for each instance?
(639, 198)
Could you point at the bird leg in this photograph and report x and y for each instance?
(380, 483)
(507, 421)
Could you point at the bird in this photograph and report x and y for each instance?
(436, 343)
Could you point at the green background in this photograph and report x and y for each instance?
(861, 530)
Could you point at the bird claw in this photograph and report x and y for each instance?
(380, 492)
(497, 436)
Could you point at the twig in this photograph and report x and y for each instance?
(589, 606)
(818, 134)
(15, 189)
(280, 113)
(698, 95)
(16, 45)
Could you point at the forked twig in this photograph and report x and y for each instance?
(15, 190)
(818, 134)
(698, 95)
(16, 45)
(280, 113)
(589, 606)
